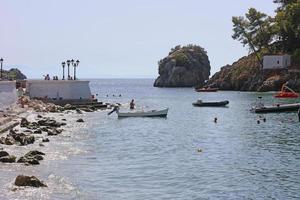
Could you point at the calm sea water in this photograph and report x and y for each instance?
(157, 158)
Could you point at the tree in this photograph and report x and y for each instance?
(255, 31)
(287, 22)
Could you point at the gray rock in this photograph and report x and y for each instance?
(31, 181)
(45, 140)
(80, 120)
(3, 154)
(8, 159)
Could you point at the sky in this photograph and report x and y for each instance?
(117, 38)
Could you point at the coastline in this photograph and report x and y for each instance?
(62, 145)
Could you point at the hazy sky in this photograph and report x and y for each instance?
(116, 38)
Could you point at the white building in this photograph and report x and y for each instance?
(276, 61)
(8, 93)
(59, 89)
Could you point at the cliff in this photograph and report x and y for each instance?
(247, 75)
(186, 66)
(13, 74)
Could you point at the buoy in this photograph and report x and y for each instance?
(199, 150)
(215, 120)
(258, 122)
(264, 119)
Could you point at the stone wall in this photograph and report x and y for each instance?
(59, 89)
(8, 94)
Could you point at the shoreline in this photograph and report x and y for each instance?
(44, 133)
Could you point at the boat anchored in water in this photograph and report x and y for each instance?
(206, 89)
(201, 103)
(286, 92)
(140, 113)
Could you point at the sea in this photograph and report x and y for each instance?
(184, 156)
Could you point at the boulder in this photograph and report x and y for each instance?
(78, 111)
(37, 131)
(50, 123)
(186, 66)
(8, 159)
(80, 120)
(2, 140)
(45, 140)
(54, 131)
(32, 157)
(31, 181)
(24, 122)
(69, 107)
(9, 140)
(3, 154)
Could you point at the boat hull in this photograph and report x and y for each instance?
(211, 104)
(278, 108)
(151, 113)
(207, 90)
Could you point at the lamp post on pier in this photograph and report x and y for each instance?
(75, 65)
(68, 63)
(63, 66)
(1, 61)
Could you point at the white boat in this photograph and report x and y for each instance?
(141, 113)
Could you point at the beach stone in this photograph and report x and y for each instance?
(50, 123)
(32, 157)
(9, 140)
(2, 140)
(45, 129)
(8, 159)
(69, 107)
(27, 140)
(24, 122)
(78, 111)
(38, 131)
(31, 181)
(45, 140)
(54, 131)
(3, 154)
(79, 120)
(41, 145)
(28, 131)
(63, 119)
(34, 152)
(39, 116)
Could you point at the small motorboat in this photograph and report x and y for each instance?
(141, 113)
(200, 103)
(207, 89)
(286, 92)
(277, 108)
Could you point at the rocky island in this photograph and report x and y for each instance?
(186, 66)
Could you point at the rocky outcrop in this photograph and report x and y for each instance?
(247, 75)
(31, 181)
(32, 157)
(186, 66)
(13, 74)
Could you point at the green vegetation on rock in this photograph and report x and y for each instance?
(185, 66)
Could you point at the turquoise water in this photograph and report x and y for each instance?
(184, 156)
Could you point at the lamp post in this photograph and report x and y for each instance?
(68, 63)
(75, 65)
(1, 61)
(63, 66)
